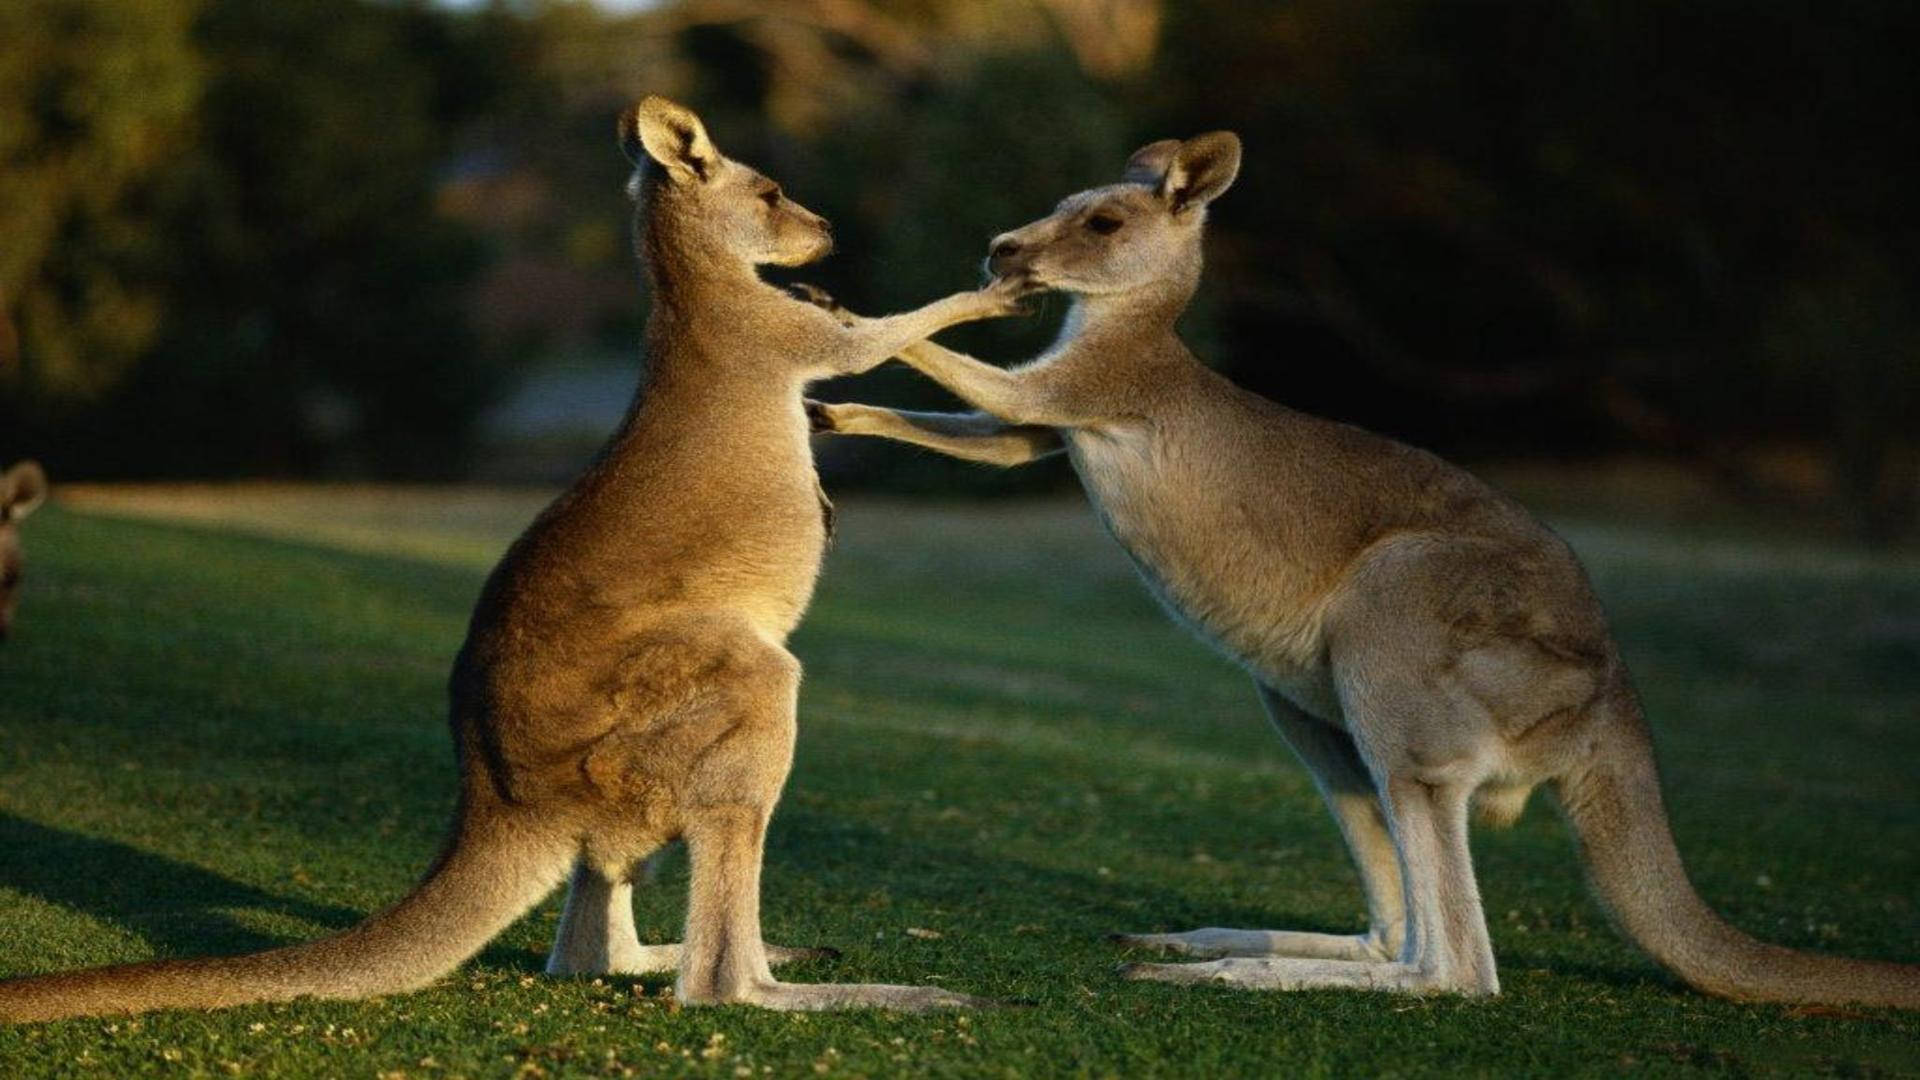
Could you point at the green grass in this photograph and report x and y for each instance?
(226, 733)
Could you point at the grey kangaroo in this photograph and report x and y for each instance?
(1419, 640)
(624, 682)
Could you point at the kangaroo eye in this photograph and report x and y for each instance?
(1104, 224)
(771, 196)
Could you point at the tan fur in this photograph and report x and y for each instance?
(22, 489)
(1419, 640)
(624, 682)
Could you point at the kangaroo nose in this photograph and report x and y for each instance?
(1004, 256)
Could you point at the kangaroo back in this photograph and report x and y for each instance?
(1613, 801)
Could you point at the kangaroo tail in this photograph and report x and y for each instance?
(490, 873)
(1613, 801)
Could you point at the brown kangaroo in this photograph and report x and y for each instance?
(22, 489)
(624, 682)
(1419, 640)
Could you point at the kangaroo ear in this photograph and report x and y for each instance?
(671, 135)
(1148, 165)
(22, 489)
(1202, 168)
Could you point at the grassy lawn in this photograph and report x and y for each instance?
(221, 728)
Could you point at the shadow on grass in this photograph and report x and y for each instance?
(178, 908)
(1069, 913)
(184, 910)
(1079, 909)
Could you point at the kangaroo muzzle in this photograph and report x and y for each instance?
(1008, 256)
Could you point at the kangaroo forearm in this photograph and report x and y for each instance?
(974, 436)
(876, 340)
(1013, 396)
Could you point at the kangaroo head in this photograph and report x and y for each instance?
(1144, 230)
(22, 488)
(714, 204)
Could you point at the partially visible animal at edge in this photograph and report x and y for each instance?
(22, 489)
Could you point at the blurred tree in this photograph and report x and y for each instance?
(1846, 337)
(1490, 226)
(96, 98)
(326, 308)
(302, 306)
(1512, 227)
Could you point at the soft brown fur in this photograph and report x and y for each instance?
(624, 681)
(22, 489)
(1419, 640)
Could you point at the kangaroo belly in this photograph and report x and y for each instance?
(1204, 554)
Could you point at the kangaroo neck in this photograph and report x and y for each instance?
(707, 367)
(691, 283)
(1113, 322)
(710, 356)
(703, 337)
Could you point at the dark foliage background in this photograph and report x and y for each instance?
(335, 237)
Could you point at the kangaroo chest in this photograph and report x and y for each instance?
(1202, 541)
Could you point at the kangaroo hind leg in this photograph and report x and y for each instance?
(1330, 756)
(597, 935)
(728, 796)
(1422, 745)
(1446, 946)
